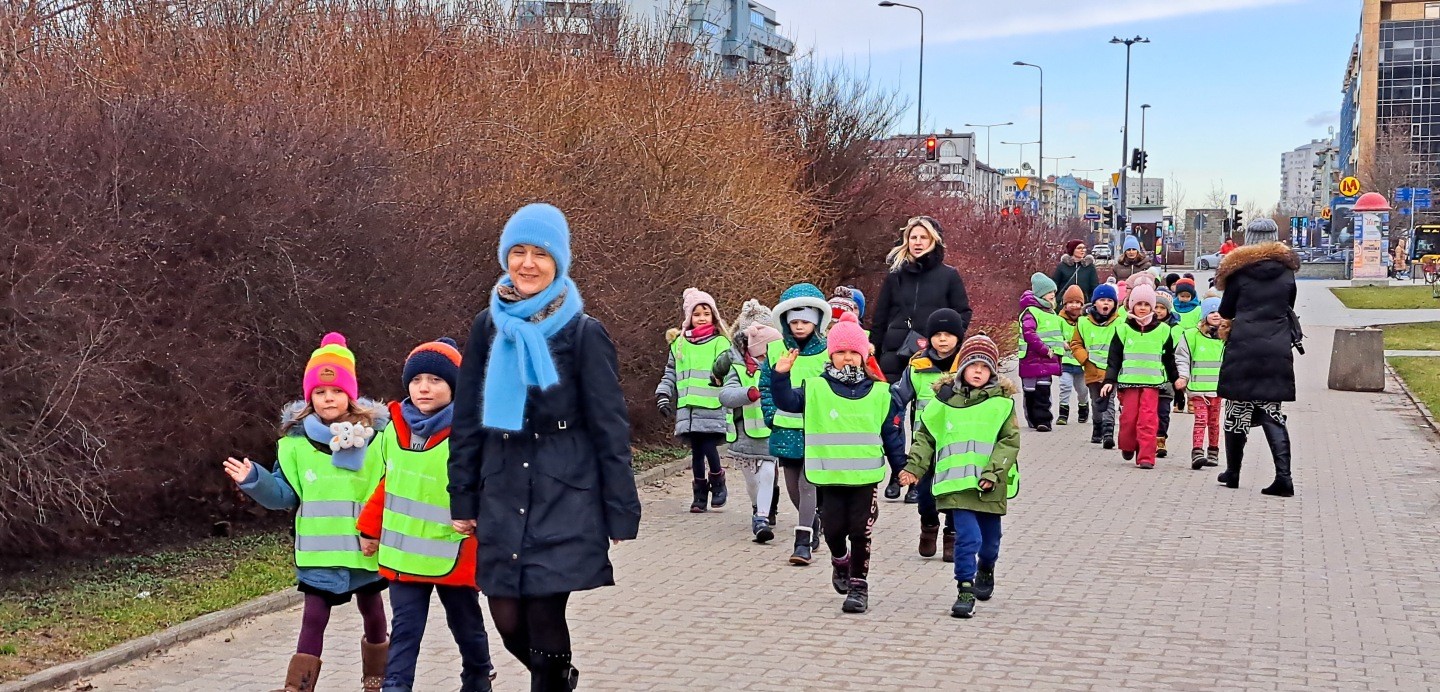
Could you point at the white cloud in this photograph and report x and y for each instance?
(834, 27)
(1323, 119)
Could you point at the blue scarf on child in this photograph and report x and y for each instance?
(423, 426)
(520, 355)
(350, 458)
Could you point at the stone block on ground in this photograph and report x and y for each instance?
(1357, 360)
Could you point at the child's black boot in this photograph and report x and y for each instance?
(858, 600)
(702, 496)
(985, 582)
(1084, 413)
(718, 493)
(802, 554)
(840, 574)
(1064, 418)
(964, 601)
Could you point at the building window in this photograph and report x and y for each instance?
(757, 19)
(1432, 10)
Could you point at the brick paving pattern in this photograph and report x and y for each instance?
(1109, 577)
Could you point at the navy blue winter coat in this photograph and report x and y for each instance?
(546, 500)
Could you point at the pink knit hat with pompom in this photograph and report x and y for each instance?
(847, 335)
(693, 297)
(332, 365)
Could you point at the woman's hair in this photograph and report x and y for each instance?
(354, 413)
(901, 253)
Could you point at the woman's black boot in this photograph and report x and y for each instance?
(1279, 438)
(1234, 454)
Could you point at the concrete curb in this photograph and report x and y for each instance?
(210, 623)
(1419, 405)
(66, 673)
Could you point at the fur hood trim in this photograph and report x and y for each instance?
(1247, 255)
(290, 413)
(997, 380)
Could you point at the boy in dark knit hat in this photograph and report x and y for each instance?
(1091, 347)
(1072, 373)
(915, 391)
(970, 440)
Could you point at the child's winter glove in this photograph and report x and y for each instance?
(754, 394)
(349, 435)
(663, 403)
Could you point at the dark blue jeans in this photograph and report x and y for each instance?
(929, 515)
(410, 605)
(977, 534)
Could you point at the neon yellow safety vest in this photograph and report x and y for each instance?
(805, 368)
(1144, 362)
(1097, 340)
(692, 372)
(964, 440)
(1048, 328)
(1205, 356)
(1190, 320)
(923, 382)
(416, 537)
(842, 436)
(752, 417)
(1067, 332)
(330, 502)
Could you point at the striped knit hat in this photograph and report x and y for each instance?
(440, 358)
(332, 365)
(980, 349)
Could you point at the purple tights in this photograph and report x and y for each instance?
(317, 616)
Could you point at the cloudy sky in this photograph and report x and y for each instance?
(1232, 83)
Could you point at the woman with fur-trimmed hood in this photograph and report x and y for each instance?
(1258, 371)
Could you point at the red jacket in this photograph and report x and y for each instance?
(371, 518)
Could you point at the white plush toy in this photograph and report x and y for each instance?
(348, 435)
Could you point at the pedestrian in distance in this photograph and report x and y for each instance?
(918, 283)
(1132, 260)
(1091, 347)
(851, 430)
(326, 468)
(970, 441)
(1076, 268)
(540, 468)
(913, 394)
(1165, 313)
(1072, 373)
(406, 524)
(1258, 374)
(1042, 341)
(1141, 361)
(1198, 357)
(686, 392)
(802, 317)
(738, 371)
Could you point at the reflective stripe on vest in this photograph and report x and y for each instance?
(1144, 362)
(1205, 357)
(964, 440)
(752, 416)
(1190, 320)
(924, 385)
(416, 537)
(1067, 331)
(1047, 328)
(1097, 341)
(330, 502)
(842, 436)
(805, 368)
(693, 363)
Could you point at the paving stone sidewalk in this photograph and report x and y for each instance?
(1110, 577)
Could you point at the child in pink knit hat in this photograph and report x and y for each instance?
(1142, 362)
(851, 430)
(686, 391)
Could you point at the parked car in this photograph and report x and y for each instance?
(1101, 252)
(1209, 261)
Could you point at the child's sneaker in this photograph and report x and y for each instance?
(1126, 454)
(1212, 456)
(1147, 465)
(1064, 417)
(1109, 443)
(761, 528)
(840, 574)
(985, 583)
(858, 601)
(1197, 458)
(1084, 413)
(1043, 428)
(964, 601)
(1095, 439)
(1160, 452)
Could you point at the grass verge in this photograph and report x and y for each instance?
(646, 458)
(1422, 376)
(1415, 336)
(83, 606)
(1387, 298)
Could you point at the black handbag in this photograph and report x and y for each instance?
(1297, 334)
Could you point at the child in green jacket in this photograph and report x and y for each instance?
(969, 435)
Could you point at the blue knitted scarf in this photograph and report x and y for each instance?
(520, 355)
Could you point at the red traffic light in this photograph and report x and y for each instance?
(930, 144)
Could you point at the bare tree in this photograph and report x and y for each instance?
(1177, 200)
(1393, 164)
(1217, 199)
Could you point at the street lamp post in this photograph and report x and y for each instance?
(1022, 146)
(987, 138)
(1144, 108)
(920, 88)
(1125, 137)
(1057, 183)
(1041, 172)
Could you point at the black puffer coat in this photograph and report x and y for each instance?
(907, 298)
(547, 500)
(1259, 286)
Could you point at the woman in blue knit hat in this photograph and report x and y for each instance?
(540, 447)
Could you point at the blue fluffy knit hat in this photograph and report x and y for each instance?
(541, 225)
(1208, 306)
(1105, 291)
(1131, 243)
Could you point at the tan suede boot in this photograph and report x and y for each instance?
(303, 672)
(372, 664)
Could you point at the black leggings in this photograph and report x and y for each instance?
(705, 447)
(532, 624)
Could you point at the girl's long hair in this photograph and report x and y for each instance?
(354, 413)
(901, 253)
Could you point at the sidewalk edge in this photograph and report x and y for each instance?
(1415, 400)
(210, 623)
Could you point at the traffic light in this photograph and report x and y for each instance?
(931, 143)
(1135, 159)
(1144, 160)
(1238, 221)
(1107, 215)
